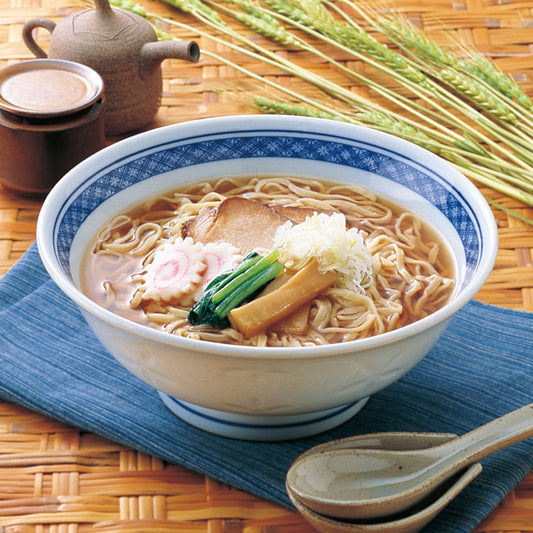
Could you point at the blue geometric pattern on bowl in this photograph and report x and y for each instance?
(277, 144)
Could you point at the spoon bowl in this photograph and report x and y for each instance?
(388, 440)
(369, 483)
(412, 521)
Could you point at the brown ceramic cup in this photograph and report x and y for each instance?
(50, 120)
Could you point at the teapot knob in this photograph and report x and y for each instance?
(102, 5)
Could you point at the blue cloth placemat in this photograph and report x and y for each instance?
(480, 369)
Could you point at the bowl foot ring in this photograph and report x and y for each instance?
(261, 428)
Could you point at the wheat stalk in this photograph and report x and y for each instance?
(522, 161)
(482, 68)
(348, 97)
(479, 68)
(431, 118)
(436, 119)
(510, 173)
(477, 79)
(434, 94)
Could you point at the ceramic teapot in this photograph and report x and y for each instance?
(123, 48)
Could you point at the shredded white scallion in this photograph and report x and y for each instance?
(326, 238)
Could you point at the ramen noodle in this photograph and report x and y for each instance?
(406, 273)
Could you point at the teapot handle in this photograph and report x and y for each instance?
(27, 34)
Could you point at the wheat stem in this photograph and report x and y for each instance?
(481, 175)
(475, 161)
(426, 91)
(435, 90)
(432, 118)
(209, 16)
(478, 80)
(416, 43)
(333, 89)
(477, 175)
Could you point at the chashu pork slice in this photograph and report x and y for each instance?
(296, 214)
(247, 224)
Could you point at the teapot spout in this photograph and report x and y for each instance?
(153, 53)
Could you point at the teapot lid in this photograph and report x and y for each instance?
(48, 87)
(104, 22)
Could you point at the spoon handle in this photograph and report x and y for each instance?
(509, 429)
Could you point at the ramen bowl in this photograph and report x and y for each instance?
(264, 393)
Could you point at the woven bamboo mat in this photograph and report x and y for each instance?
(56, 479)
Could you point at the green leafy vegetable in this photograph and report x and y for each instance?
(230, 289)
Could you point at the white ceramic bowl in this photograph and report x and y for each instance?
(264, 393)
